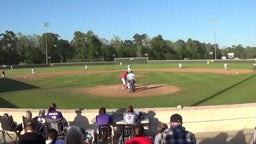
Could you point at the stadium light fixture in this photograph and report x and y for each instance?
(46, 24)
(214, 21)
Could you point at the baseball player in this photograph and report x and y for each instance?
(180, 65)
(85, 67)
(33, 71)
(225, 66)
(129, 68)
(123, 79)
(3, 73)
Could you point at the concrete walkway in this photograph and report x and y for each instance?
(226, 137)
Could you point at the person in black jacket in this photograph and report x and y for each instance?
(31, 136)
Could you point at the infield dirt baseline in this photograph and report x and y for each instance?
(194, 70)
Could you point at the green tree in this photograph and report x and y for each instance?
(170, 53)
(10, 53)
(129, 50)
(209, 51)
(160, 49)
(79, 45)
(196, 49)
(31, 53)
(180, 48)
(117, 43)
(140, 41)
(108, 51)
(250, 52)
(93, 46)
(66, 51)
(22, 45)
(34, 55)
(50, 41)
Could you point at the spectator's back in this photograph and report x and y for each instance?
(130, 117)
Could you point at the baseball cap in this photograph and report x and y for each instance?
(176, 118)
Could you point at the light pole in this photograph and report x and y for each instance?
(46, 24)
(214, 21)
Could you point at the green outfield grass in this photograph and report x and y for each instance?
(196, 88)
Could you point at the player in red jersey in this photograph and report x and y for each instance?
(123, 79)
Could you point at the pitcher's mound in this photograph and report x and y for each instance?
(142, 90)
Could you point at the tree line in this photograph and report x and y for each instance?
(35, 49)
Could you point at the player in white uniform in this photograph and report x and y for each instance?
(33, 71)
(225, 66)
(129, 68)
(180, 65)
(85, 67)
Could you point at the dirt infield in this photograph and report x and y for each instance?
(141, 89)
(193, 70)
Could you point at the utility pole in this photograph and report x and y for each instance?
(214, 21)
(46, 24)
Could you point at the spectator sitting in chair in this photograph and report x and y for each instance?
(27, 117)
(102, 119)
(41, 122)
(160, 128)
(74, 136)
(130, 117)
(53, 113)
(7, 123)
(30, 136)
(41, 116)
(140, 137)
(52, 137)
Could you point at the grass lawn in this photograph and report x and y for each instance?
(196, 88)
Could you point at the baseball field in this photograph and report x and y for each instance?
(157, 85)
